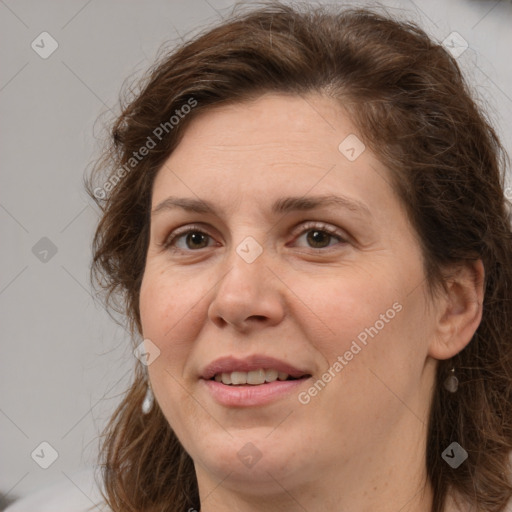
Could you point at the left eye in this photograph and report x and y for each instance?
(318, 235)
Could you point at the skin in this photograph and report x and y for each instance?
(359, 444)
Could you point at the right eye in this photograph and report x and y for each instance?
(193, 237)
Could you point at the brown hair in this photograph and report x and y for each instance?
(414, 109)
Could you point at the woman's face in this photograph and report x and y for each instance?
(276, 277)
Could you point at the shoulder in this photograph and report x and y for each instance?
(77, 492)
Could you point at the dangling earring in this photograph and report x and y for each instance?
(147, 403)
(451, 383)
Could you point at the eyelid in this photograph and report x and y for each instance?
(320, 226)
(183, 230)
(299, 230)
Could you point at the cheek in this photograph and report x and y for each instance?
(165, 300)
(372, 321)
(167, 318)
(341, 307)
(165, 310)
(173, 308)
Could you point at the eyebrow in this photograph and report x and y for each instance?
(281, 206)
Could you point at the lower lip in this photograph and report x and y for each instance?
(248, 395)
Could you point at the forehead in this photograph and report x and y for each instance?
(263, 148)
(270, 119)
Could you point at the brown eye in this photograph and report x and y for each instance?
(318, 236)
(193, 239)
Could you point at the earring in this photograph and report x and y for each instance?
(451, 383)
(147, 403)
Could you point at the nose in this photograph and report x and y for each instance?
(248, 296)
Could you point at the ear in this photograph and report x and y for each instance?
(459, 310)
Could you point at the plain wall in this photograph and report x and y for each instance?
(64, 362)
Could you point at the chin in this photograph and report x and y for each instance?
(253, 462)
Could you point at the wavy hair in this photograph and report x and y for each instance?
(414, 109)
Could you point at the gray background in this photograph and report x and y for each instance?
(64, 363)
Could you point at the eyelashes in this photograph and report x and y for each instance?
(325, 229)
(170, 241)
(196, 234)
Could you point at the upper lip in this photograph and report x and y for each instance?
(255, 362)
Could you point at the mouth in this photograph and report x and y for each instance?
(256, 380)
(254, 377)
(253, 370)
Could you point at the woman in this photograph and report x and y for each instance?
(304, 220)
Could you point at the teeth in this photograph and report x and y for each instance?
(254, 377)
(239, 378)
(271, 375)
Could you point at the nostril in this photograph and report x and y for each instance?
(258, 317)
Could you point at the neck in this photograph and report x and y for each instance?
(307, 499)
